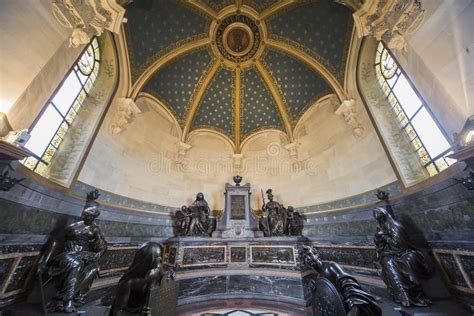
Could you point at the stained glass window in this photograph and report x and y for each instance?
(411, 112)
(61, 110)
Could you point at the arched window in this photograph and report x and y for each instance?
(429, 142)
(62, 108)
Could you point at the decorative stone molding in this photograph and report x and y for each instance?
(389, 20)
(182, 150)
(292, 150)
(88, 18)
(348, 111)
(127, 109)
(237, 162)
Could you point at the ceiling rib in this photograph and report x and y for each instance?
(274, 8)
(237, 107)
(278, 100)
(197, 98)
(204, 8)
(160, 62)
(310, 61)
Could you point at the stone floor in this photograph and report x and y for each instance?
(440, 307)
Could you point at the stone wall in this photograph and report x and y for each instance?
(439, 217)
(143, 162)
(439, 61)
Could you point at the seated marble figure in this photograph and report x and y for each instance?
(75, 267)
(134, 287)
(353, 299)
(400, 264)
(194, 220)
(279, 221)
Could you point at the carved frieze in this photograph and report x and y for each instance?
(389, 20)
(88, 18)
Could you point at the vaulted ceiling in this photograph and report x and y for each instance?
(237, 66)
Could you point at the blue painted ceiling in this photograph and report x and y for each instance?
(320, 28)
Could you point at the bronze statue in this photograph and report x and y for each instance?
(277, 220)
(294, 222)
(194, 220)
(77, 265)
(399, 264)
(134, 287)
(275, 215)
(332, 281)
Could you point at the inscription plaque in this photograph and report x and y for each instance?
(203, 255)
(273, 255)
(238, 254)
(237, 207)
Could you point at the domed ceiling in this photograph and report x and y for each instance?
(237, 67)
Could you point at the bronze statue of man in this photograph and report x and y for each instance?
(333, 286)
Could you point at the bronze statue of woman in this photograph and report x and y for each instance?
(75, 268)
(199, 224)
(134, 287)
(400, 265)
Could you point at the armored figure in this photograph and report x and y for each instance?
(275, 215)
(77, 264)
(400, 265)
(334, 291)
(194, 220)
(134, 287)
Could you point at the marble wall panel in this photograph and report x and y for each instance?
(452, 270)
(468, 265)
(21, 273)
(5, 267)
(349, 256)
(203, 255)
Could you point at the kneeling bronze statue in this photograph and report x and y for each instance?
(400, 265)
(77, 265)
(134, 287)
(334, 292)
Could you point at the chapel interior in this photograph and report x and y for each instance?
(237, 157)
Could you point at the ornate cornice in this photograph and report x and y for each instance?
(389, 20)
(88, 18)
(197, 98)
(282, 108)
(310, 61)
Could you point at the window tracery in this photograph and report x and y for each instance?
(414, 117)
(62, 109)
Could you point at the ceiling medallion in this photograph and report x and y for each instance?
(238, 38)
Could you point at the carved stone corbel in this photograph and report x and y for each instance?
(127, 109)
(389, 20)
(182, 150)
(88, 18)
(292, 150)
(237, 162)
(348, 111)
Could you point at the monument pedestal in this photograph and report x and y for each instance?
(237, 221)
